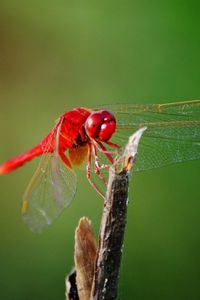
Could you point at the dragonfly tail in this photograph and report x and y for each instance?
(18, 161)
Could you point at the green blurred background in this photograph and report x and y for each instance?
(55, 55)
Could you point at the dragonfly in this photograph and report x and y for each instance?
(94, 136)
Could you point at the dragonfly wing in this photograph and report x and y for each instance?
(135, 114)
(51, 189)
(157, 150)
(172, 135)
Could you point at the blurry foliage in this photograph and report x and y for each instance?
(59, 55)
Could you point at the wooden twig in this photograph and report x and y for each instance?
(111, 237)
(113, 224)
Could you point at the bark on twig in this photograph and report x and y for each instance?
(113, 224)
(111, 237)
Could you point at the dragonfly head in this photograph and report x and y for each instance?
(100, 125)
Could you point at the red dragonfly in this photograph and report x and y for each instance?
(172, 136)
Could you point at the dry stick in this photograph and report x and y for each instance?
(113, 224)
(111, 237)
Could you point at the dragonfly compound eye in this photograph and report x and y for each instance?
(100, 125)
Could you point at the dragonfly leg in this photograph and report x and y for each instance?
(65, 160)
(103, 150)
(88, 171)
(113, 145)
(98, 167)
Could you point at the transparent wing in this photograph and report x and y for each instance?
(172, 135)
(51, 189)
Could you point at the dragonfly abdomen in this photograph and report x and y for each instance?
(18, 161)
